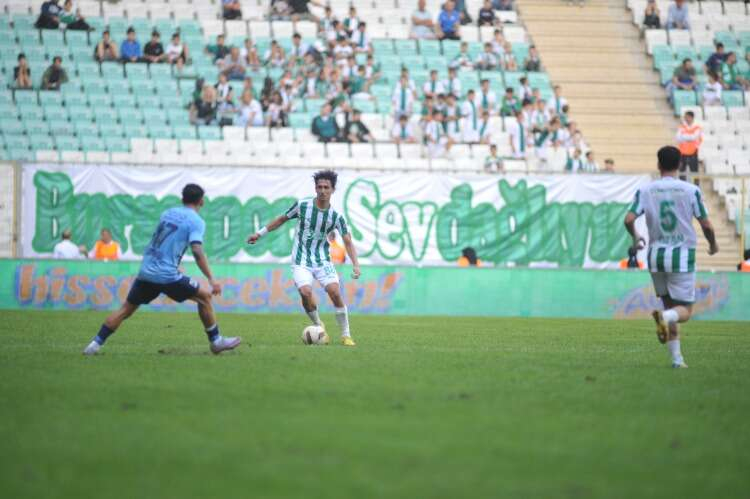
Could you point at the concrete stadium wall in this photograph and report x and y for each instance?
(7, 209)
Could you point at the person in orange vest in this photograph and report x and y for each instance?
(105, 248)
(469, 258)
(745, 266)
(337, 252)
(632, 262)
(689, 139)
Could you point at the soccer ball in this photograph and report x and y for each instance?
(314, 335)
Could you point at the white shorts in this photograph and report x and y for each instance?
(325, 274)
(680, 286)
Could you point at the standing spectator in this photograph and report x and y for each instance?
(324, 126)
(352, 21)
(355, 131)
(518, 134)
(298, 51)
(498, 42)
(177, 53)
(485, 128)
(106, 249)
(590, 165)
(510, 104)
(403, 97)
(153, 52)
(422, 26)
(106, 49)
(533, 62)
(683, 78)
(249, 54)
(730, 74)
(449, 22)
(470, 112)
(67, 249)
(557, 102)
(689, 138)
(251, 113)
(486, 60)
(677, 16)
(360, 85)
(22, 73)
(130, 49)
(452, 118)
(360, 40)
(651, 16)
(452, 84)
(204, 110)
(716, 59)
(575, 163)
(218, 50)
(49, 17)
(72, 19)
(486, 98)
(540, 117)
(276, 115)
(493, 163)
(55, 75)
(402, 132)
(232, 65)
(434, 136)
(525, 92)
(486, 16)
(433, 86)
(231, 9)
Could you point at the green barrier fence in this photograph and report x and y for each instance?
(516, 292)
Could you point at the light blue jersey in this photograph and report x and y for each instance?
(178, 228)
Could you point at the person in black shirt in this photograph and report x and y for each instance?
(220, 50)
(49, 18)
(355, 130)
(55, 75)
(204, 110)
(154, 50)
(22, 73)
(486, 16)
(301, 11)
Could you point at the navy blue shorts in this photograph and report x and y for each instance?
(143, 292)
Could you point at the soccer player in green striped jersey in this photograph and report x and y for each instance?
(310, 257)
(670, 205)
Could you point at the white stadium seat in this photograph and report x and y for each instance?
(121, 158)
(679, 37)
(260, 29)
(97, 157)
(235, 29)
(142, 145)
(655, 37)
(212, 27)
(282, 134)
(515, 165)
(307, 29)
(166, 146)
(257, 134)
(47, 156)
(72, 157)
(156, 11)
(232, 133)
(282, 29)
(218, 148)
(193, 147)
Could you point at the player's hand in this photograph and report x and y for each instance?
(253, 239)
(356, 272)
(639, 243)
(215, 287)
(713, 249)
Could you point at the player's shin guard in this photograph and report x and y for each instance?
(342, 318)
(103, 334)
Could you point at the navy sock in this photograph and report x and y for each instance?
(104, 333)
(213, 332)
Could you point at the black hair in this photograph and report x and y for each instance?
(192, 194)
(690, 113)
(686, 60)
(296, 35)
(719, 45)
(57, 58)
(21, 56)
(329, 175)
(470, 254)
(131, 30)
(669, 158)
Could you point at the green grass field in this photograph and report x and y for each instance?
(421, 408)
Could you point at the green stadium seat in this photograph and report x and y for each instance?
(67, 143)
(413, 62)
(81, 52)
(142, 86)
(160, 71)
(15, 154)
(6, 96)
(209, 133)
(384, 106)
(33, 127)
(134, 130)
(11, 126)
(88, 68)
(186, 86)
(62, 52)
(118, 27)
(429, 48)
(80, 113)
(130, 116)
(405, 47)
(147, 101)
(91, 143)
(97, 23)
(212, 74)
(300, 120)
(539, 80)
(100, 100)
(166, 27)
(75, 99)
(122, 100)
(166, 87)
(171, 101)
(117, 144)
(685, 52)
(110, 129)
(24, 22)
(732, 98)
(28, 38)
(76, 38)
(15, 141)
(314, 105)
(184, 131)
(50, 98)
(25, 97)
(118, 87)
(136, 71)
(8, 110)
(159, 131)
(105, 115)
(51, 37)
(390, 61)
(436, 62)
(61, 126)
(383, 46)
(41, 142)
(419, 75)
(495, 78)
(154, 116)
(364, 105)
(86, 129)
(30, 111)
(94, 86)
(682, 98)
(189, 27)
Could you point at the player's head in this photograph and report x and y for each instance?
(325, 183)
(192, 195)
(669, 159)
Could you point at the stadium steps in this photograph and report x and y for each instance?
(729, 244)
(595, 53)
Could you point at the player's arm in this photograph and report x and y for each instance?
(638, 241)
(708, 231)
(275, 224)
(202, 261)
(352, 252)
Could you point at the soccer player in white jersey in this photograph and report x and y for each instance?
(670, 205)
(310, 258)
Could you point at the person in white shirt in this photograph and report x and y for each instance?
(493, 163)
(177, 53)
(539, 116)
(422, 24)
(487, 60)
(470, 112)
(402, 131)
(526, 92)
(251, 112)
(360, 40)
(486, 98)
(575, 163)
(298, 50)
(590, 165)
(556, 103)
(485, 129)
(452, 119)
(507, 58)
(452, 84)
(351, 22)
(518, 134)
(551, 136)
(403, 97)
(712, 90)
(463, 59)
(498, 43)
(438, 143)
(433, 86)
(67, 249)
(342, 51)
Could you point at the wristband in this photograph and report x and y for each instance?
(262, 231)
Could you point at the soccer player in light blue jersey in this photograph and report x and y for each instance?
(311, 260)
(160, 272)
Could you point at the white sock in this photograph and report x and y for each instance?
(674, 349)
(343, 320)
(670, 316)
(314, 317)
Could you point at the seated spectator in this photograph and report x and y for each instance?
(402, 132)
(462, 60)
(486, 98)
(575, 162)
(233, 66)
(449, 22)
(203, 111)
(372, 69)
(249, 54)
(326, 24)
(49, 17)
(280, 10)
(231, 9)
(493, 163)
(106, 49)
(502, 4)
(219, 50)
(677, 16)
(609, 165)
(360, 85)
(301, 11)
(106, 249)
(507, 58)
(716, 59)
(730, 74)
(177, 52)
(342, 50)
(590, 165)
(72, 19)
(276, 116)
(251, 112)
(651, 16)
(298, 51)
(452, 84)
(540, 117)
(486, 16)
(67, 249)
(422, 25)
(485, 128)
(324, 126)
(153, 52)
(433, 86)
(247, 86)
(683, 78)
(469, 258)
(532, 62)
(274, 56)
(355, 131)
(403, 97)
(470, 113)
(55, 76)
(130, 49)
(22, 73)
(487, 60)
(525, 92)
(498, 42)
(223, 90)
(360, 40)
(433, 135)
(352, 21)
(510, 104)
(266, 93)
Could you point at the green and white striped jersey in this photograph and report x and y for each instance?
(311, 239)
(670, 205)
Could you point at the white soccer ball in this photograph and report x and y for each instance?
(314, 335)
